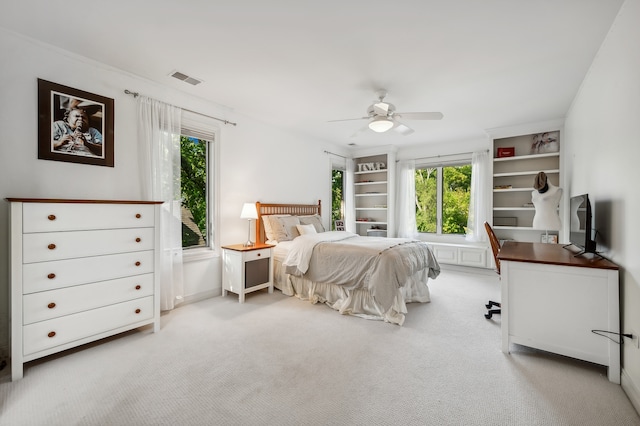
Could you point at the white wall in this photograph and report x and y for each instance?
(252, 154)
(602, 154)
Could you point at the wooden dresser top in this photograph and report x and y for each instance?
(59, 200)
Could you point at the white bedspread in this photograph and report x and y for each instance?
(378, 264)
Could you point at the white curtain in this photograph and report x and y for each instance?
(349, 197)
(480, 193)
(406, 205)
(159, 153)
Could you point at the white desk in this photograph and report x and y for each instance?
(551, 300)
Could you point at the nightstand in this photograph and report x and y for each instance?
(246, 269)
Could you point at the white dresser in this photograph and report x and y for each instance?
(81, 270)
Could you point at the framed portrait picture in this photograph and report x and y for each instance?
(74, 125)
(340, 225)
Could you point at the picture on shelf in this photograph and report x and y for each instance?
(543, 143)
(549, 238)
(339, 224)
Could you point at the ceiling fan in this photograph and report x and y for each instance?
(382, 117)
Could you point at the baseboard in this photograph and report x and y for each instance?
(468, 269)
(631, 389)
(192, 298)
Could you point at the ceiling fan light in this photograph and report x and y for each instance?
(380, 124)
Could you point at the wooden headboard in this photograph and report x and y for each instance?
(265, 209)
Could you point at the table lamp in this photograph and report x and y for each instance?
(249, 212)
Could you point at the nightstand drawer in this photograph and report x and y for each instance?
(256, 254)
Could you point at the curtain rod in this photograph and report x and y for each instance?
(447, 155)
(136, 94)
(333, 153)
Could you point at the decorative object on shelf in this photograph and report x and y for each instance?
(371, 167)
(545, 142)
(74, 125)
(340, 225)
(546, 198)
(506, 152)
(249, 212)
(502, 187)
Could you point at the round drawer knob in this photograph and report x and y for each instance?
(138, 239)
(138, 287)
(51, 217)
(138, 215)
(138, 263)
(258, 254)
(51, 305)
(138, 311)
(51, 246)
(51, 334)
(51, 276)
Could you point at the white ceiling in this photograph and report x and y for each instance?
(297, 63)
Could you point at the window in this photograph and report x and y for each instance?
(197, 160)
(337, 196)
(442, 198)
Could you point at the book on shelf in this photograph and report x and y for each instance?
(502, 186)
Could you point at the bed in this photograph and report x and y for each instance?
(368, 277)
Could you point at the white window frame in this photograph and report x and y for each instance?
(456, 160)
(338, 163)
(204, 128)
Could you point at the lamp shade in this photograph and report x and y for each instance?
(249, 211)
(380, 124)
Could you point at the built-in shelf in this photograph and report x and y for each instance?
(526, 173)
(513, 179)
(373, 190)
(527, 157)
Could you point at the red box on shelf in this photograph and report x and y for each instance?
(506, 152)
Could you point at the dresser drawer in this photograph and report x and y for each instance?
(48, 334)
(65, 273)
(48, 217)
(56, 303)
(47, 246)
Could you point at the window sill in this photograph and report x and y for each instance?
(451, 239)
(195, 255)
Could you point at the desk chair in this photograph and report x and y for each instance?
(495, 248)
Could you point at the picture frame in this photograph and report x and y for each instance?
(74, 125)
(339, 224)
(543, 143)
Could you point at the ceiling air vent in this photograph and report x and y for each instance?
(187, 79)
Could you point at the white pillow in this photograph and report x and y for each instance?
(314, 220)
(306, 229)
(286, 228)
(268, 228)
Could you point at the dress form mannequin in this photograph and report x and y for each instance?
(546, 198)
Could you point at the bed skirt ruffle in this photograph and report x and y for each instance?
(356, 302)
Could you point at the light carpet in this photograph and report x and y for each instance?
(276, 360)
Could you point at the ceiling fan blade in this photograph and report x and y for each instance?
(381, 108)
(361, 130)
(419, 115)
(403, 129)
(348, 119)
